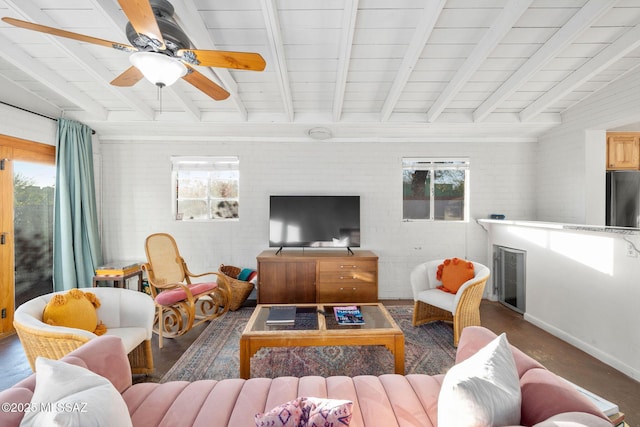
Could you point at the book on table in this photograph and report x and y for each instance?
(617, 419)
(348, 315)
(282, 315)
(118, 268)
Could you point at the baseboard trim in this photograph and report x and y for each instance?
(589, 349)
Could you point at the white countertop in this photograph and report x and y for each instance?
(561, 226)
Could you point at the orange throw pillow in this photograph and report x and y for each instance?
(453, 273)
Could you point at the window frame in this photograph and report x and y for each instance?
(210, 164)
(433, 164)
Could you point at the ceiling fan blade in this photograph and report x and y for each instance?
(199, 81)
(128, 78)
(223, 59)
(143, 19)
(68, 34)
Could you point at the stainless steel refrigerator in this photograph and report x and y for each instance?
(623, 199)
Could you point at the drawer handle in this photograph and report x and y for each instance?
(353, 289)
(348, 277)
(348, 266)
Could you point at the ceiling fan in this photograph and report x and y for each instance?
(161, 51)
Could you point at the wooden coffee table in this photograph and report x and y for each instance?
(316, 326)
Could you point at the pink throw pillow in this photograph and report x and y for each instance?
(307, 411)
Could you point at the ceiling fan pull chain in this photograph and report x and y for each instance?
(160, 98)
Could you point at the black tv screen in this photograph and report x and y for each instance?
(314, 221)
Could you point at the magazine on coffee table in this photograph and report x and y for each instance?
(348, 315)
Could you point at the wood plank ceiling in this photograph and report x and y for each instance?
(361, 68)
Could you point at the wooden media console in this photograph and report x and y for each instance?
(310, 276)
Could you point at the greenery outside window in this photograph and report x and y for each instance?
(205, 187)
(435, 189)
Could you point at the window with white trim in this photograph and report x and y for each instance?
(205, 187)
(435, 189)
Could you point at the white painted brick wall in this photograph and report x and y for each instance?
(561, 178)
(137, 198)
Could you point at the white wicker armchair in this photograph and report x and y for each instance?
(126, 313)
(431, 304)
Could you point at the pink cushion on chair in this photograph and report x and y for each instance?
(175, 295)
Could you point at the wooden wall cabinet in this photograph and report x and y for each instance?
(317, 276)
(623, 151)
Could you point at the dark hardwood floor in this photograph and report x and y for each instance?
(565, 360)
(558, 356)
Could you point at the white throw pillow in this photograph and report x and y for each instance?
(483, 390)
(70, 395)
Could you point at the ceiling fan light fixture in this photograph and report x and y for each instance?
(159, 69)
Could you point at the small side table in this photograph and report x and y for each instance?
(119, 280)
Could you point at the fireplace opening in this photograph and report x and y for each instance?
(509, 277)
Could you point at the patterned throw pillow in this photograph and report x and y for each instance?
(308, 411)
(453, 273)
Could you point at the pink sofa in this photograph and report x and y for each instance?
(387, 400)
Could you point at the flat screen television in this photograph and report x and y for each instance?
(314, 221)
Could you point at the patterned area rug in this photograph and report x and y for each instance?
(215, 353)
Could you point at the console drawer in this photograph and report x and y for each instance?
(355, 292)
(347, 277)
(347, 265)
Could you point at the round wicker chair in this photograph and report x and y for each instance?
(126, 313)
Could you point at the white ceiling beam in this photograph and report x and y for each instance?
(119, 21)
(50, 79)
(272, 23)
(428, 18)
(348, 30)
(75, 50)
(19, 96)
(191, 22)
(500, 127)
(562, 38)
(628, 42)
(503, 24)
